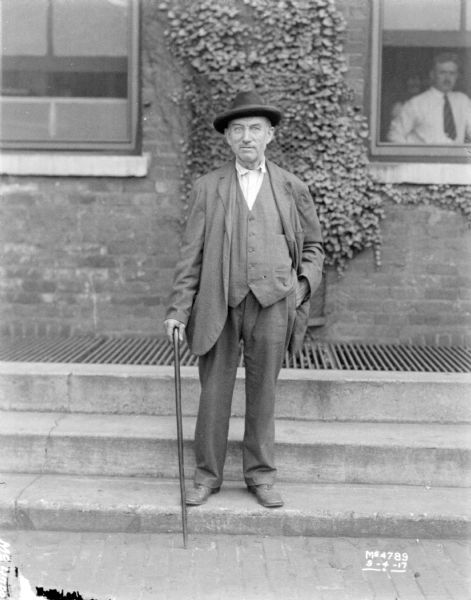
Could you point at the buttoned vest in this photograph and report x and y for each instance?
(259, 259)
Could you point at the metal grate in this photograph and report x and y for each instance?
(146, 350)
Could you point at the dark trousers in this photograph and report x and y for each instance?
(265, 333)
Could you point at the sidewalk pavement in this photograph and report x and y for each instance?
(128, 566)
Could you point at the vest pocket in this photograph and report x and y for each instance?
(283, 271)
(279, 255)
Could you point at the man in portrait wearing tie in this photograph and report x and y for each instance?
(251, 258)
(437, 116)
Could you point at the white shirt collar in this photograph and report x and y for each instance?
(438, 93)
(242, 170)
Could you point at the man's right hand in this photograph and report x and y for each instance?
(170, 325)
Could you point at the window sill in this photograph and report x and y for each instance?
(425, 173)
(74, 165)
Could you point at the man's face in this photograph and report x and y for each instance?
(444, 76)
(248, 137)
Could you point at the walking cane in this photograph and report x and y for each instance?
(178, 403)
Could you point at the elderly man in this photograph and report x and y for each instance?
(437, 116)
(250, 259)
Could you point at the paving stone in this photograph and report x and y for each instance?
(156, 567)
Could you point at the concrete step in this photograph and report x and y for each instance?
(58, 503)
(302, 394)
(307, 451)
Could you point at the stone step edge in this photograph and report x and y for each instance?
(165, 372)
(311, 395)
(96, 426)
(123, 504)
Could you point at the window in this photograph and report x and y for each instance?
(421, 63)
(69, 75)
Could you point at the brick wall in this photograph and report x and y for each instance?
(97, 254)
(85, 255)
(422, 291)
(356, 44)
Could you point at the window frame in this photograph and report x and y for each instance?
(386, 152)
(133, 111)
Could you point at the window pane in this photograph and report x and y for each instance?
(78, 28)
(92, 120)
(62, 120)
(24, 27)
(422, 14)
(25, 120)
(407, 72)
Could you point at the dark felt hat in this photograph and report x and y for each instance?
(247, 104)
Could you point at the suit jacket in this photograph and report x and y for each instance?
(199, 297)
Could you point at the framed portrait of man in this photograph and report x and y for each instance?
(421, 80)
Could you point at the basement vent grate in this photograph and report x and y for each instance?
(145, 350)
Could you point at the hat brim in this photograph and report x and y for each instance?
(251, 110)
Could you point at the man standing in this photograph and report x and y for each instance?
(437, 116)
(251, 257)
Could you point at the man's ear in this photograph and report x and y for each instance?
(271, 134)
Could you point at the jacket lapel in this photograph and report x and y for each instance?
(286, 205)
(227, 195)
(283, 198)
(226, 192)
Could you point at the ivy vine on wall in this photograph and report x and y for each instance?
(291, 51)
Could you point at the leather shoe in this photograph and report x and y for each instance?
(199, 494)
(266, 495)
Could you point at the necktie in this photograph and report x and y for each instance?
(448, 120)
